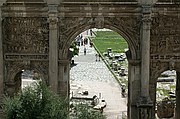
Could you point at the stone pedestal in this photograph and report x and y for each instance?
(145, 107)
(63, 79)
(133, 87)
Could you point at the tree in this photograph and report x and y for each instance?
(74, 49)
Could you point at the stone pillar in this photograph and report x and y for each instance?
(63, 82)
(53, 47)
(133, 88)
(1, 65)
(145, 51)
(145, 103)
(177, 96)
(1, 58)
(133, 85)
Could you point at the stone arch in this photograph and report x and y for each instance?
(158, 72)
(129, 35)
(128, 27)
(161, 67)
(155, 73)
(21, 67)
(13, 79)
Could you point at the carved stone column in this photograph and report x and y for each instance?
(145, 103)
(53, 48)
(177, 96)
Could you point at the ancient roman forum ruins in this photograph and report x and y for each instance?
(36, 34)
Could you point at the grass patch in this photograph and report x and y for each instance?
(109, 39)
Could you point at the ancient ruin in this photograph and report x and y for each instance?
(36, 34)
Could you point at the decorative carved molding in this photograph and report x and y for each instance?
(99, 22)
(165, 57)
(25, 35)
(168, 1)
(14, 57)
(53, 22)
(165, 36)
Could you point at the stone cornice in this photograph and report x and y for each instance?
(94, 10)
(102, 3)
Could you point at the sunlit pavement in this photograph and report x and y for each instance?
(27, 82)
(94, 76)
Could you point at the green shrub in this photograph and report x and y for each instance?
(85, 112)
(38, 102)
(35, 102)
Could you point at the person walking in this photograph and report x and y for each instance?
(99, 57)
(96, 57)
(84, 50)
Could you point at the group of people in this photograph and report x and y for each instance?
(98, 56)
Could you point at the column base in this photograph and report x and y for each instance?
(63, 89)
(144, 102)
(145, 107)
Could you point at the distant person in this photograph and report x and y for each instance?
(91, 32)
(91, 44)
(99, 57)
(123, 90)
(84, 50)
(96, 57)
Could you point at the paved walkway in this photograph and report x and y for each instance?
(94, 76)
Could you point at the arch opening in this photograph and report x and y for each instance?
(89, 76)
(166, 94)
(132, 43)
(22, 79)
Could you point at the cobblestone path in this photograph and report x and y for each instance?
(95, 77)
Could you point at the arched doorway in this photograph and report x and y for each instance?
(161, 68)
(90, 77)
(25, 78)
(68, 34)
(166, 94)
(21, 75)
